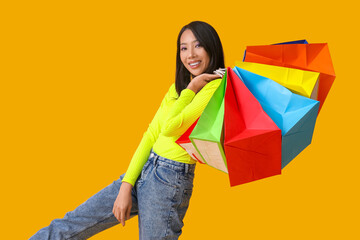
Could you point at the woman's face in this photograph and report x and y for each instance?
(192, 54)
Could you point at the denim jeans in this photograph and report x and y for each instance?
(160, 198)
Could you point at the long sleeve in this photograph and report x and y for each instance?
(187, 108)
(149, 138)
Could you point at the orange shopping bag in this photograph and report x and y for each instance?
(312, 57)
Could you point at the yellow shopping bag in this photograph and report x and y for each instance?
(301, 82)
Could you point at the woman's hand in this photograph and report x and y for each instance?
(198, 82)
(123, 203)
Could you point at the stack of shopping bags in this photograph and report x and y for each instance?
(263, 114)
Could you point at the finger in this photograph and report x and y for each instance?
(116, 215)
(122, 217)
(220, 73)
(128, 213)
(221, 70)
(113, 211)
(214, 76)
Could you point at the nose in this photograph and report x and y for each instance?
(192, 53)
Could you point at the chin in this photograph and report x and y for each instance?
(197, 73)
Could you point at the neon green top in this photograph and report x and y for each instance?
(175, 115)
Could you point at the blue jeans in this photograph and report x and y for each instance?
(160, 198)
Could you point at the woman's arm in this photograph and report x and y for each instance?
(189, 106)
(123, 203)
(149, 138)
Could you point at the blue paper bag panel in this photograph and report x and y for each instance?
(295, 115)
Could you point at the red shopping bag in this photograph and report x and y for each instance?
(252, 141)
(188, 146)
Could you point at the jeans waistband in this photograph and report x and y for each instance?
(185, 167)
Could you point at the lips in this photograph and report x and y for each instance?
(194, 64)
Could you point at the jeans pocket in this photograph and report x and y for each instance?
(166, 176)
(145, 167)
(189, 176)
(185, 201)
(143, 173)
(187, 196)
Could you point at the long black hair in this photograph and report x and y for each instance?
(209, 39)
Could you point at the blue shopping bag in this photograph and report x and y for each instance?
(295, 115)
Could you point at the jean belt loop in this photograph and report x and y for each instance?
(186, 168)
(155, 160)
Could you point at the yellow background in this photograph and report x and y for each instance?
(80, 82)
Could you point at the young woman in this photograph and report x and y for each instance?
(158, 183)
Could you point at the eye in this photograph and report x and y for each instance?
(198, 45)
(182, 48)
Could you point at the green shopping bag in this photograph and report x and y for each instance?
(207, 136)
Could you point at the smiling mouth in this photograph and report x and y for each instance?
(194, 64)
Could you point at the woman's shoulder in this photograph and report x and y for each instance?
(172, 91)
(172, 88)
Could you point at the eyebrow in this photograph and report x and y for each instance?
(192, 42)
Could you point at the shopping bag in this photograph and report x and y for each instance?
(304, 83)
(290, 42)
(295, 115)
(312, 57)
(293, 42)
(252, 141)
(207, 135)
(184, 142)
